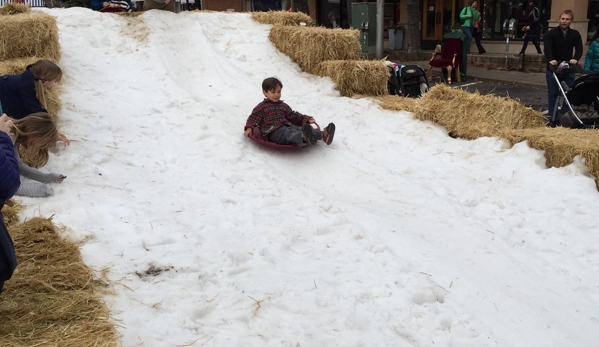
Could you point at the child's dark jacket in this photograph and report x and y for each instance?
(9, 183)
(269, 116)
(17, 95)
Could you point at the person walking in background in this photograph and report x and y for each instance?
(532, 29)
(591, 60)
(9, 184)
(477, 34)
(469, 15)
(559, 43)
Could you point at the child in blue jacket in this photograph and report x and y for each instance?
(9, 183)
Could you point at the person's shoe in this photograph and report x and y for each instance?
(482, 52)
(307, 132)
(519, 55)
(328, 133)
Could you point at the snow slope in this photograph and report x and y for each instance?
(395, 235)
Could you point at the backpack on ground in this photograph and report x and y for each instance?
(407, 80)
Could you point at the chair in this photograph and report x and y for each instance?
(451, 58)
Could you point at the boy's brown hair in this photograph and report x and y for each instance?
(271, 83)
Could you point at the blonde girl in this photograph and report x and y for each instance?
(38, 131)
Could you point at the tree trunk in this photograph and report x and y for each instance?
(302, 6)
(413, 34)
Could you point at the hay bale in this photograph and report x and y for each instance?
(471, 115)
(309, 46)
(52, 299)
(31, 34)
(561, 145)
(16, 66)
(14, 8)
(365, 77)
(282, 18)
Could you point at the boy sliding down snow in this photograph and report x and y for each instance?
(280, 124)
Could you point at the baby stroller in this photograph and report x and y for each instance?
(577, 106)
(407, 80)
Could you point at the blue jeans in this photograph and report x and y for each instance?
(468, 31)
(289, 134)
(553, 89)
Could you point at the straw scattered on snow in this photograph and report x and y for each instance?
(367, 77)
(31, 34)
(282, 18)
(53, 298)
(309, 46)
(11, 214)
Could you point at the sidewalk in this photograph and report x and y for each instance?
(537, 79)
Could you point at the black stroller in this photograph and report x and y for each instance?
(577, 106)
(407, 80)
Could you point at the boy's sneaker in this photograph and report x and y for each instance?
(307, 132)
(328, 133)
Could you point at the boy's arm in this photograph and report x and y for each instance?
(296, 118)
(254, 119)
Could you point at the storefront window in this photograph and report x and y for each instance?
(496, 12)
(593, 18)
(267, 5)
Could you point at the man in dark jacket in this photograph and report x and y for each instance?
(9, 183)
(559, 43)
(532, 28)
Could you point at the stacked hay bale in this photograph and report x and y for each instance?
(29, 34)
(333, 53)
(25, 37)
(309, 46)
(282, 18)
(365, 77)
(14, 8)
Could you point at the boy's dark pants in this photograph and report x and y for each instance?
(289, 134)
(8, 259)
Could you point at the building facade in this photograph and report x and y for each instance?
(437, 17)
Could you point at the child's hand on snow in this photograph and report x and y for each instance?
(247, 132)
(63, 138)
(60, 178)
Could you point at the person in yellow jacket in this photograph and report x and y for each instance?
(468, 16)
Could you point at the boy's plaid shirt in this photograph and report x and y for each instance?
(270, 116)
